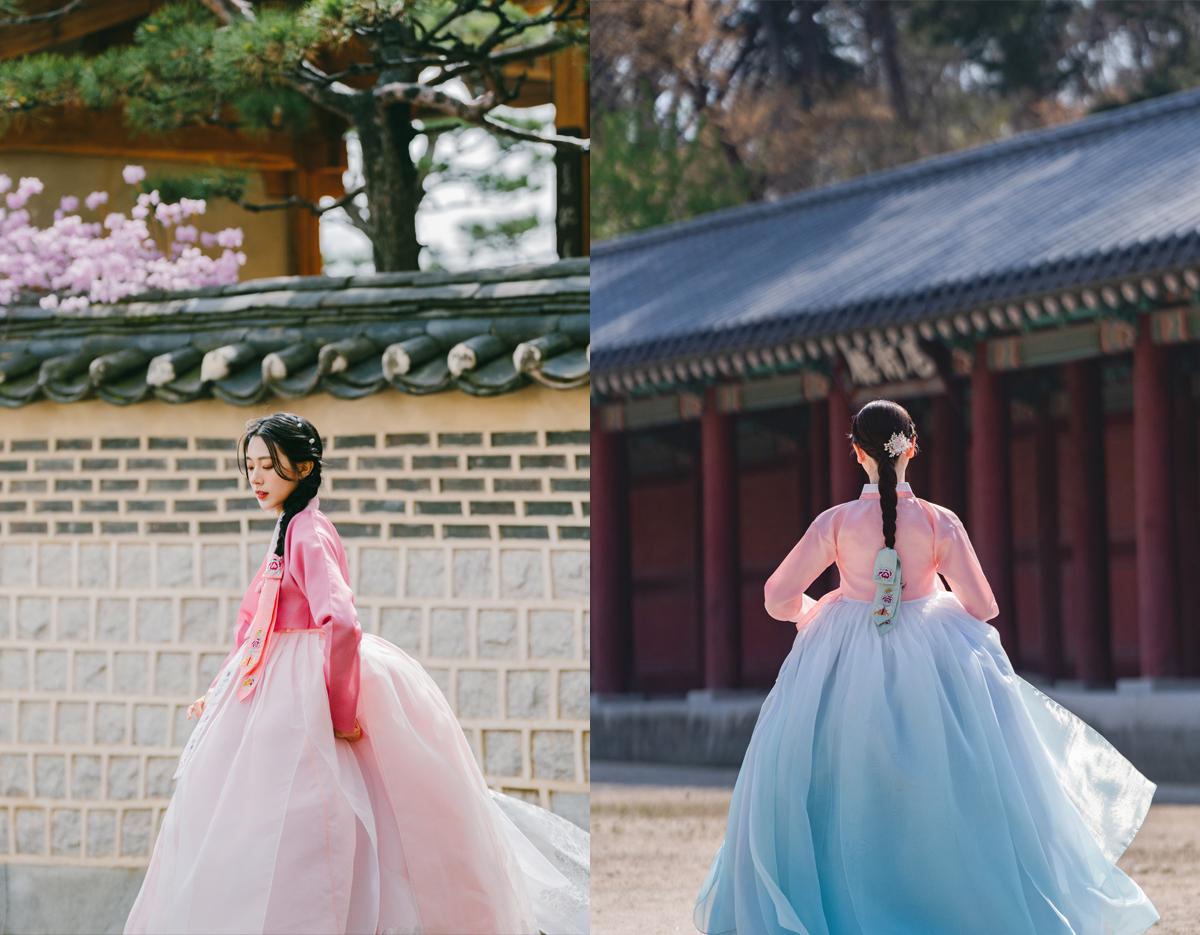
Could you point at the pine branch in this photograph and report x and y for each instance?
(31, 18)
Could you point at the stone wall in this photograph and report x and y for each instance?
(129, 536)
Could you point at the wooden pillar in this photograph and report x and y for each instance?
(845, 476)
(1158, 631)
(818, 477)
(990, 495)
(818, 458)
(1186, 468)
(612, 610)
(722, 570)
(1049, 563)
(1086, 586)
(948, 468)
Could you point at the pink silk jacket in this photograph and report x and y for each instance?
(315, 593)
(930, 540)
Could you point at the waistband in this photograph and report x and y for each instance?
(904, 601)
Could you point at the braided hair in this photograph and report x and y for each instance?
(298, 440)
(870, 429)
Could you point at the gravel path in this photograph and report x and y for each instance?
(652, 844)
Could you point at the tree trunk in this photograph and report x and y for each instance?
(393, 187)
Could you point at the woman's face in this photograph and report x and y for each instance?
(268, 487)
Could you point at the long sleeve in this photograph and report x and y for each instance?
(956, 559)
(783, 594)
(314, 562)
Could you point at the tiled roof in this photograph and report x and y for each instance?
(484, 333)
(1113, 196)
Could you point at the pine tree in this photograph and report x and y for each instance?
(228, 63)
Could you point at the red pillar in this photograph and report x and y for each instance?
(1049, 563)
(845, 476)
(818, 479)
(990, 531)
(1086, 586)
(1158, 632)
(818, 458)
(947, 449)
(718, 446)
(1186, 469)
(611, 600)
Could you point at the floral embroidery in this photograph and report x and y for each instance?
(885, 574)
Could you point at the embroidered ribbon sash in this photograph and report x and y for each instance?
(887, 589)
(254, 658)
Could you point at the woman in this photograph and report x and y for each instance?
(901, 777)
(328, 786)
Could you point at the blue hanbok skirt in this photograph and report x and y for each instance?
(911, 783)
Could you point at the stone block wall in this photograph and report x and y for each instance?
(128, 538)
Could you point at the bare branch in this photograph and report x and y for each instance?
(229, 10)
(295, 201)
(571, 143)
(403, 92)
(31, 18)
(323, 91)
(355, 216)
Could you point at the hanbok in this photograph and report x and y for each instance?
(903, 779)
(275, 825)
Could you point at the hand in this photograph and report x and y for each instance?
(350, 735)
(196, 708)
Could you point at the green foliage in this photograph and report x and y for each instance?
(502, 236)
(650, 175)
(219, 184)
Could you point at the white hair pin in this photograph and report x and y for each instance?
(897, 444)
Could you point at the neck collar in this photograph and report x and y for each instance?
(871, 491)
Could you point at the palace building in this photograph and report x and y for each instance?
(1034, 304)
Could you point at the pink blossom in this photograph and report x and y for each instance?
(77, 262)
(133, 174)
(230, 237)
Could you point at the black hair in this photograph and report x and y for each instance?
(870, 429)
(298, 440)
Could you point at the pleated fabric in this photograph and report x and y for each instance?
(276, 826)
(912, 782)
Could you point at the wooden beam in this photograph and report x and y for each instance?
(102, 133)
(92, 16)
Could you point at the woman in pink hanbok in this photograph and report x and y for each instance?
(327, 786)
(901, 777)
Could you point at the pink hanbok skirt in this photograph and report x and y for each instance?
(277, 826)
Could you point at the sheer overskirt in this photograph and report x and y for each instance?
(912, 782)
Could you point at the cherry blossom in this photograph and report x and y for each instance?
(77, 260)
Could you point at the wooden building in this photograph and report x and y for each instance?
(1033, 302)
(75, 152)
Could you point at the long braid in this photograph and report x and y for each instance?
(296, 501)
(887, 496)
(871, 428)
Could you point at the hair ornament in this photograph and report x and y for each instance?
(897, 444)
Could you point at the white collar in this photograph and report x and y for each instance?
(874, 488)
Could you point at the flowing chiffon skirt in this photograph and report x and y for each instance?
(912, 782)
(277, 826)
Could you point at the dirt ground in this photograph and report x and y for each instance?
(652, 844)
